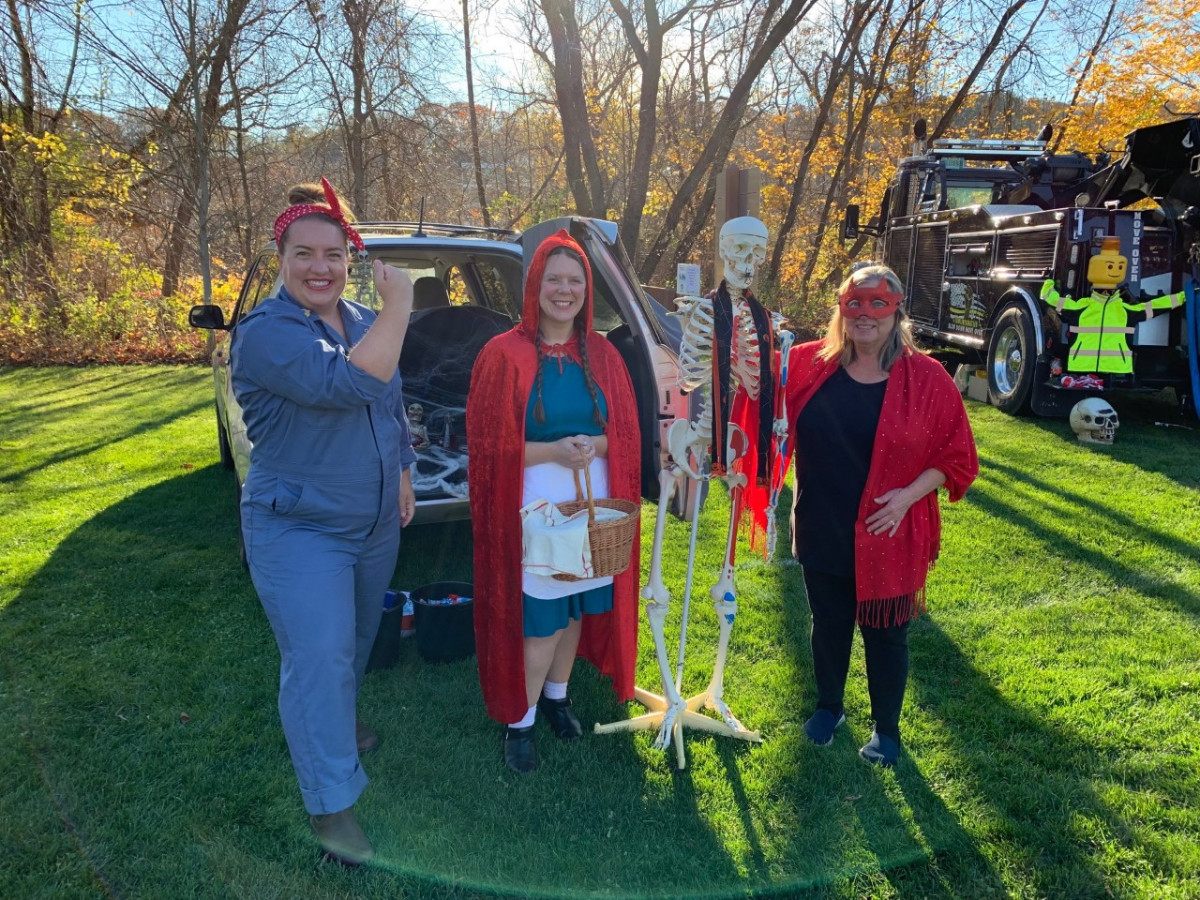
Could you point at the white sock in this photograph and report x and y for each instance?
(526, 722)
(555, 690)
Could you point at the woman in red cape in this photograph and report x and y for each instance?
(548, 397)
(878, 428)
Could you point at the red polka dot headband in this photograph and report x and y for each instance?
(331, 211)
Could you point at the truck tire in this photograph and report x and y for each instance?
(1011, 358)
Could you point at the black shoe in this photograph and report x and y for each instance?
(562, 719)
(519, 752)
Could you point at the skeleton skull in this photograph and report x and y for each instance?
(1094, 421)
(743, 248)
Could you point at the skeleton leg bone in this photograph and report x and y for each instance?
(724, 598)
(664, 709)
(668, 712)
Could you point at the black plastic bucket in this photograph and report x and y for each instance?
(445, 631)
(386, 649)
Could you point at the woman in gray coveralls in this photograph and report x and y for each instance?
(326, 495)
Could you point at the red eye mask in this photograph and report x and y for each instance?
(876, 301)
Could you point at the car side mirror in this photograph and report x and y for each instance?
(207, 315)
(850, 223)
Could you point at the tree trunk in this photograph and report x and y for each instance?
(838, 68)
(583, 169)
(476, 158)
(716, 150)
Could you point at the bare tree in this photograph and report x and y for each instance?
(836, 66)
(176, 81)
(474, 113)
(375, 81)
(762, 39)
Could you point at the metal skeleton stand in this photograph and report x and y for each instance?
(786, 339)
(669, 712)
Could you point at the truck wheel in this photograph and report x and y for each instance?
(1011, 358)
(223, 444)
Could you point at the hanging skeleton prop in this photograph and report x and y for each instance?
(726, 355)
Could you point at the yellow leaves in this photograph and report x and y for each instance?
(1153, 65)
(41, 148)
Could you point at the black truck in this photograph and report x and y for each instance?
(974, 227)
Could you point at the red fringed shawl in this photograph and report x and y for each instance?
(923, 425)
(501, 383)
(756, 418)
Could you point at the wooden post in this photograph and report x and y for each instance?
(739, 193)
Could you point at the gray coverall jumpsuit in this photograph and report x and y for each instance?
(320, 518)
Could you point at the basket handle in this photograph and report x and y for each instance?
(579, 493)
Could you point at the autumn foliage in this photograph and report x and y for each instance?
(110, 219)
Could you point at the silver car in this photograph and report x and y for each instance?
(467, 286)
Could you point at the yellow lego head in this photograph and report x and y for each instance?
(1107, 268)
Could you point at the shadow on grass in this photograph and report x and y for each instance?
(99, 390)
(1022, 787)
(1154, 436)
(1032, 783)
(139, 675)
(902, 833)
(1071, 501)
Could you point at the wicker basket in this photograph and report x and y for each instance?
(612, 540)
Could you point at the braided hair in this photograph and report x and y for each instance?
(597, 414)
(539, 412)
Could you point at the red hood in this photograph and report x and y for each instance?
(531, 312)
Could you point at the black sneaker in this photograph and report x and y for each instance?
(821, 726)
(881, 751)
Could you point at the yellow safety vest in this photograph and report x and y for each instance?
(1099, 342)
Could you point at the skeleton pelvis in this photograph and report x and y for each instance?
(688, 446)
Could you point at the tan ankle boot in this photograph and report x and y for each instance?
(342, 838)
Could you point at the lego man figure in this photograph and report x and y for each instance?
(1100, 341)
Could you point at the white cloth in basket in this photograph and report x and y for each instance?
(553, 543)
(550, 481)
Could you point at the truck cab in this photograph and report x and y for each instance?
(974, 228)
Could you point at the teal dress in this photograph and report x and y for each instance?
(569, 410)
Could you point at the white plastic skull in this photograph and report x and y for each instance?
(743, 248)
(1094, 421)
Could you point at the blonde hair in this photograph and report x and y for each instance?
(837, 346)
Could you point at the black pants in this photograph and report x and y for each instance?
(832, 602)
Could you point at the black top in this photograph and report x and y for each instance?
(835, 434)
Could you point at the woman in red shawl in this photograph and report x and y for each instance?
(878, 428)
(548, 397)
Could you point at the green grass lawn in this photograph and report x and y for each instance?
(1050, 727)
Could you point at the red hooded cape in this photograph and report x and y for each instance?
(501, 383)
(923, 425)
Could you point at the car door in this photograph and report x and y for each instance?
(259, 284)
(628, 317)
